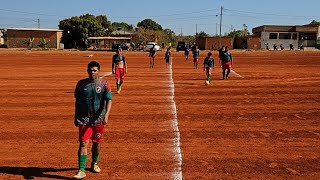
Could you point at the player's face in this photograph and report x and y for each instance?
(93, 73)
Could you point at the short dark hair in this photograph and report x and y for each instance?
(93, 64)
(209, 54)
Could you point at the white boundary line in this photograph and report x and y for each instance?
(177, 174)
(232, 72)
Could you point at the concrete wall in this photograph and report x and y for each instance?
(16, 38)
(254, 42)
(285, 42)
(1, 38)
(212, 43)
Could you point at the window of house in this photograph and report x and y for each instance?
(273, 36)
(284, 35)
(295, 36)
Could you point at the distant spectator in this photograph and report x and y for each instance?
(281, 47)
(291, 47)
(275, 47)
(301, 47)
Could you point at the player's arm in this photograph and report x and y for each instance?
(113, 70)
(76, 96)
(125, 64)
(107, 103)
(213, 63)
(231, 59)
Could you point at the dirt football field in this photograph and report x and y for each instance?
(261, 123)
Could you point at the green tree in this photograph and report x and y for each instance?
(29, 42)
(201, 34)
(315, 22)
(78, 29)
(43, 43)
(235, 33)
(169, 36)
(149, 24)
(122, 25)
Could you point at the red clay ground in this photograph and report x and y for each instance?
(263, 126)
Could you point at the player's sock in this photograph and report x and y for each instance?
(120, 85)
(209, 77)
(227, 74)
(95, 158)
(82, 160)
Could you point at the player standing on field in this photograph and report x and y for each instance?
(221, 51)
(208, 66)
(186, 51)
(92, 108)
(227, 62)
(119, 68)
(196, 53)
(152, 55)
(167, 56)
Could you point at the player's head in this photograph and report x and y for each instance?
(93, 70)
(209, 54)
(226, 48)
(118, 50)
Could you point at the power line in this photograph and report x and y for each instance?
(166, 15)
(23, 12)
(270, 14)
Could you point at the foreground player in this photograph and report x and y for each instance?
(196, 53)
(152, 55)
(92, 108)
(119, 68)
(227, 62)
(208, 66)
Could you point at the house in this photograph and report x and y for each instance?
(106, 42)
(306, 35)
(16, 37)
(3, 35)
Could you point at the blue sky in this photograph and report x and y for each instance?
(186, 17)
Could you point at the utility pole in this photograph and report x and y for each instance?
(217, 25)
(196, 29)
(220, 27)
(38, 23)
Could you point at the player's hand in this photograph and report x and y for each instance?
(105, 121)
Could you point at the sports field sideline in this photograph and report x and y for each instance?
(165, 124)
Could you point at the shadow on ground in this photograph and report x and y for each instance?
(34, 172)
